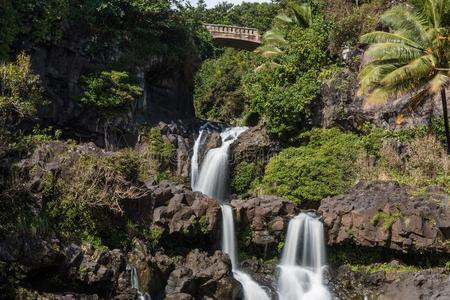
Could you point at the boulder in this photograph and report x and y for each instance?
(387, 214)
(190, 218)
(426, 284)
(253, 145)
(266, 219)
(202, 276)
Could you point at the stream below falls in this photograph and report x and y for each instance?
(303, 258)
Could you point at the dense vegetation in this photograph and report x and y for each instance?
(281, 87)
(83, 203)
(55, 188)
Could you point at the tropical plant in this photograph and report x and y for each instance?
(110, 90)
(414, 57)
(295, 13)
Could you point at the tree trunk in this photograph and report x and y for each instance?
(444, 109)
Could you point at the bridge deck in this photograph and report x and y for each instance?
(235, 36)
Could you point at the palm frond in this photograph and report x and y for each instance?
(302, 12)
(269, 51)
(284, 18)
(377, 97)
(388, 37)
(274, 37)
(412, 24)
(392, 51)
(371, 76)
(441, 80)
(417, 69)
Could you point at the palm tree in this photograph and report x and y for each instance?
(414, 57)
(295, 13)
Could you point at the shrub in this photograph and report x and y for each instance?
(20, 91)
(323, 167)
(105, 181)
(21, 94)
(156, 155)
(218, 89)
(109, 90)
(285, 97)
(350, 21)
(244, 176)
(410, 156)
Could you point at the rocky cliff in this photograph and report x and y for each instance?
(167, 94)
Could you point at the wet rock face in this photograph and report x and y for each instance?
(385, 214)
(265, 220)
(427, 284)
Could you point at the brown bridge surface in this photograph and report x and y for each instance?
(234, 36)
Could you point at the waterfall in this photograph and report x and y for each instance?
(212, 180)
(194, 161)
(301, 273)
(135, 285)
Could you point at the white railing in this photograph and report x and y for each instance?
(250, 33)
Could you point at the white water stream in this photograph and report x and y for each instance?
(301, 273)
(212, 180)
(303, 258)
(135, 285)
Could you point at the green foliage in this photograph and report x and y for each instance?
(285, 97)
(255, 15)
(20, 96)
(374, 137)
(135, 28)
(411, 156)
(350, 21)
(322, 167)
(203, 222)
(218, 86)
(20, 91)
(153, 236)
(387, 219)
(244, 176)
(157, 155)
(41, 21)
(412, 58)
(109, 90)
(386, 267)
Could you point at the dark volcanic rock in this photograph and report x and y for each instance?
(184, 216)
(200, 276)
(342, 107)
(266, 218)
(427, 284)
(168, 95)
(385, 214)
(253, 145)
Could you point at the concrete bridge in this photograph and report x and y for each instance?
(234, 36)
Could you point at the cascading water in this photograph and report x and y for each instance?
(212, 180)
(301, 275)
(135, 285)
(194, 162)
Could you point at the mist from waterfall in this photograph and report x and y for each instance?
(212, 180)
(303, 261)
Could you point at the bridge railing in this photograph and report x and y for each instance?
(228, 29)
